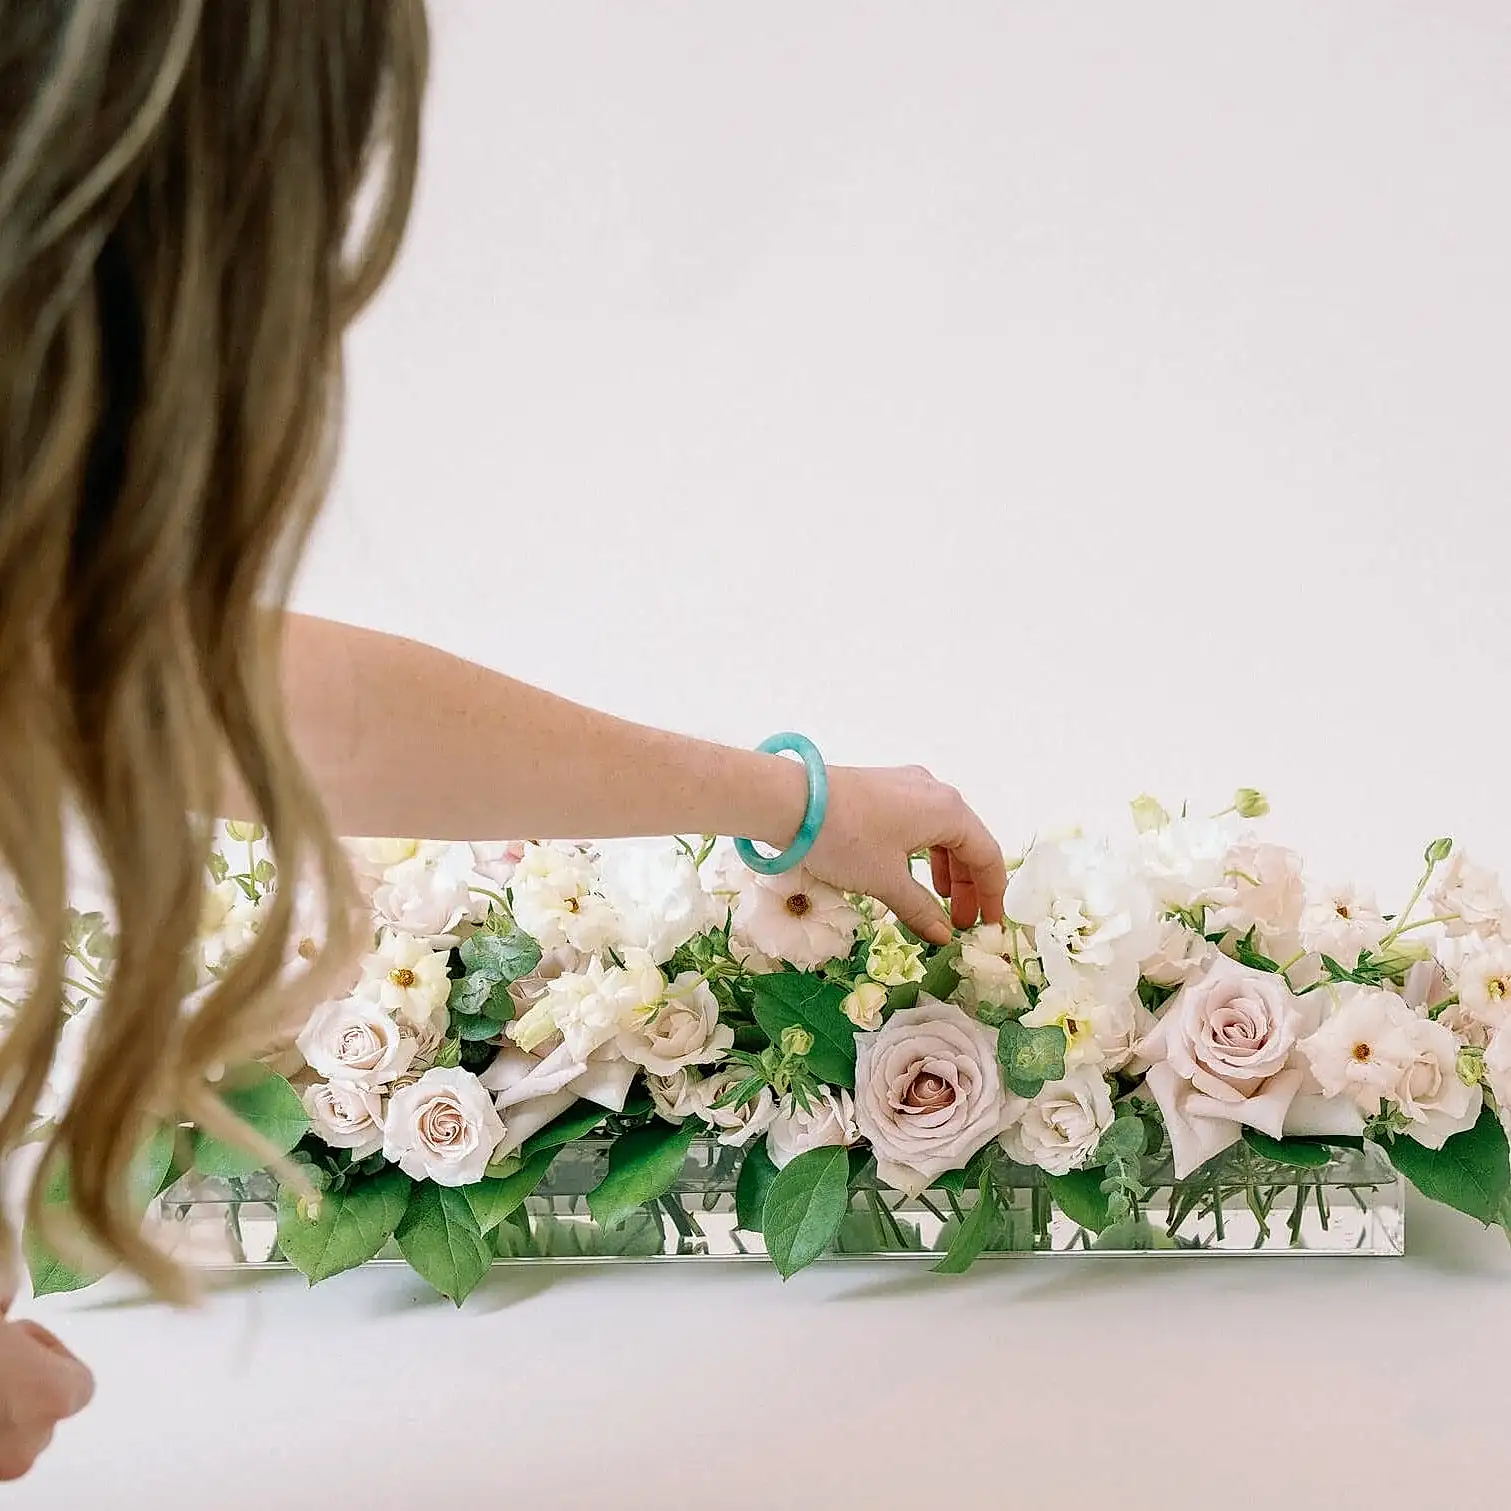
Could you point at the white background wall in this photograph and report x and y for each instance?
(1076, 397)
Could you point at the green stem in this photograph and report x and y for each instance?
(491, 896)
(74, 953)
(1405, 913)
(79, 986)
(1422, 923)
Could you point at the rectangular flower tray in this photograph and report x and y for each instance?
(1241, 1203)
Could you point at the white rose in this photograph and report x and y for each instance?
(355, 1041)
(1060, 1128)
(675, 1096)
(1470, 897)
(1220, 1058)
(1365, 1047)
(654, 888)
(1179, 954)
(829, 1120)
(1262, 889)
(1099, 1032)
(863, 1007)
(679, 1030)
(796, 917)
(1498, 1073)
(988, 969)
(346, 1116)
(554, 900)
(409, 979)
(1431, 1092)
(1343, 923)
(422, 900)
(928, 1092)
(442, 1128)
(1484, 992)
(737, 1125)
(533, 1090)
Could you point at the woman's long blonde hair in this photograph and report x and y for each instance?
(196, 196)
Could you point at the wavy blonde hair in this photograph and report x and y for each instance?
(196, 196)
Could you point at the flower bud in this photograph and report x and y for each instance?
(1471, 1065)
(1439, 851)
(245, 833)
(863, 1006)
(1148, 813)
(796, 1040)
(1249, 802)
(893, 959)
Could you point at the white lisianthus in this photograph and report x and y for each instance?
(828, 1120)
(675, 1096)
(679, 1030)
(1179, 953)
(736, 1125)
(1343, 923)
(1365, 1047)
(442, 1128)
(355, 1041)
(796, 917)
(555, 901)
(863, 1007)
(494, 864)
(1183, 861)
(562, 961)
(1497, 1072)
(589, 1008)
(1484, 991)
(1099, 1031)
(657, 896)
(988, 969)
(409, 980)
(892, 958)
(1262, 889)
(422, 900)
(1087, 911)
(346, 1116)
(1470, 898)
(1431, 1092)
(1061, 1127)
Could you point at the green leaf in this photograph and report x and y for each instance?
(756, 1175)
(790, 997)
(1030, 1056)
(1304, 1153)
(1125, 1139)
(1079, 1195)
(943, 973)
(470, 994)
(503, 956)
(350, 1227)
(1471, 1172)
(50, 1276)
(475, 1030)
(440, 1238)
(493, 1200)
(265, 872)
(220, 867)
(1134, 1235)
(643, 1164)
(805, 1206)
(153, 1164)
(266, 1103)
(957, 1181)
(578, 1120)
(973, 1234)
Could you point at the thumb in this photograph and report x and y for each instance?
(917, 907)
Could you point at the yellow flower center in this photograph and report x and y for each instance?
(1497, 987)
(573, 906)
(1344, 911)
(799, 904)
(402, 977)
(308, 949)
(1363, 1053)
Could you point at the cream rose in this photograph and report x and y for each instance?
(1431, 1092)
(1498, 1073)
(423, 901)
(346, 1116)
(1060, 1128)
(928, 1092)
(863, 1007)
(829, 1120)
(355, 1041)
(736, 1125)
(1220, 1058)
(682, 1029)
(442, 1128)
(675, 1096)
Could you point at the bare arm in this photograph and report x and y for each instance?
(405, 739)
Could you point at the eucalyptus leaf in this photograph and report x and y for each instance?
(477, 1029)
(501, 956)
(1030, 1057)
(804, 1208)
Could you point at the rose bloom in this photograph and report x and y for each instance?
(1498, 1073)
(355, 1041)
(675, 1096)
(892, 958)
(796, 917)
(1220, 1058)
(419, 899)
(1061, 1127)
(988, 969)
(681, 1029)
(442, 1128)
(828, 1121)
(863, 1007)
(1431, 1092)
(736, 1125)
(346, 1116)
(1179, 954)
(928, 1092)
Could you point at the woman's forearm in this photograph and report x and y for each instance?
(404, 739)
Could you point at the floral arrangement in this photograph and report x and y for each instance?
(1163, 996)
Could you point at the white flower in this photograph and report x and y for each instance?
(346, 1116)
(740, 1124)
(1365, 1047)
(928, 1092)
(892, 958)
(1470, 897)
(1484, 991)
(828, 1121)
(1060, 1128)
(796, 917)
(675, 1096)
(1430, 1092)
(988, 969)
(656, 892)
(1088, 912)
(863, 1007)
(533, 1090)
(562, 961)
(1498, 1073)
(1343, 923)
(1220, 1059)
(1179, 953)
(229, 921)
(591, 1007)
(1099, 1031)
(421, 899)
(355, 1041)
(1262, 889)
(554, 900)
(442, 1128)
(494, 864)
(409, 980)
(1183, 861)
(679, 1030)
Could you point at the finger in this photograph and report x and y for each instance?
(49, 1340)
(964, 907)
(939, 865)
(19, 1451)
(63, 1388)
(982, 857)
(914, 905)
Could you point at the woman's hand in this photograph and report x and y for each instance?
(41, 1384)
(878, 818)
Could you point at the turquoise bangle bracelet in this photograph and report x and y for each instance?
(813, 819)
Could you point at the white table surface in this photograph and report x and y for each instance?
(1130, 1382)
